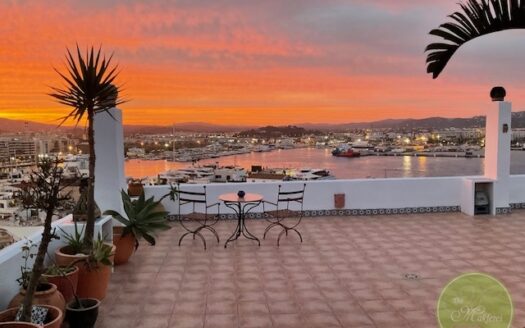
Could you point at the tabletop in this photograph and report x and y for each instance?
(248, 198)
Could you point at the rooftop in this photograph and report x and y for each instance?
(348, 272)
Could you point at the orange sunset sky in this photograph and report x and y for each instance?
(256, 62)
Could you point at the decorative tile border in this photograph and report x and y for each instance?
(503, 210)
(377, 211)
(517, 206)
(362, 212)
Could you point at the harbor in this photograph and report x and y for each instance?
(380, 165)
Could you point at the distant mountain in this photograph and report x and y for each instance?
(518, 121)
(276, 132)
(183, 127)
(13, 126)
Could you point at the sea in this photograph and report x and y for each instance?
(341, 168)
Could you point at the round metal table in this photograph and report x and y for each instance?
(241, 206)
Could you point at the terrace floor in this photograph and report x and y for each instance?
(348, 272)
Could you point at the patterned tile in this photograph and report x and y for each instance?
(348, 272)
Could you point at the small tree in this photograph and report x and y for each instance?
(46, 193)
(89, 90)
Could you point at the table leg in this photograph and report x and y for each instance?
(241, 228)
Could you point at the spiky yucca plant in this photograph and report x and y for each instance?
(476, 19)
(89, 90)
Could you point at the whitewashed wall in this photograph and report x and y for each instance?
(359, 194)
(11, 260)
(11, 256)
(517, 189)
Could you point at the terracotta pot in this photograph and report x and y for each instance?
(93, 283)
(66, 285)
(125, 246)
(135, 189)
(15, 324)
(55, 317)
(48, 295)
(64, 256)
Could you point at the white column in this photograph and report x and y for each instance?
(109, 150)
(497, 152)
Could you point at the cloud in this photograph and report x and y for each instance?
(349, 59)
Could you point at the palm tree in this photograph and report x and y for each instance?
(89, 90)
(476, 19)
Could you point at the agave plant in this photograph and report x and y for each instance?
(89, 90)
(476, 19)
(143, 218)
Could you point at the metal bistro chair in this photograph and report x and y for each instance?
(289, 206)
(205, 221)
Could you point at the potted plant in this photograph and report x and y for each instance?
(142, 219)
(82, 313)
(45, 293)
(94, 267)
(65, 278)
(135, 187)
(47, 193)
(95, 271)
(89, 90)
(53, 319)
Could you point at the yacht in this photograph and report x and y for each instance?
(310, 174)
(76, 166)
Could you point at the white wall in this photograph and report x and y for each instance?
(109, 169)
(11, 256)
(11, 260)
(517, 189)
(359, 194)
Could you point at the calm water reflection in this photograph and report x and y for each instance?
(349, 168)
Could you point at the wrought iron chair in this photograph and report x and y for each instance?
(289, 205)
(199, 213)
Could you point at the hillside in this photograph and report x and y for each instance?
(518, 121)
(276, 132)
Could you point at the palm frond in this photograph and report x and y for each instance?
(476, 18)
(89, 84)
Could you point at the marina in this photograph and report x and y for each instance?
(377, 166)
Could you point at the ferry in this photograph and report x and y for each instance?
(345, 152)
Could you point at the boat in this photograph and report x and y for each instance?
(76, 166)
(345, 152)
(309, 175)
(204, 174)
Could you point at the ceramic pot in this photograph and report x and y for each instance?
(94, 282)
(85, 317)
(135, 189)
(15, 324)
(65, 257)
(54, 316)
(66, 285)
(124, 246)
(46, 294)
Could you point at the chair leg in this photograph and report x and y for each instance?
(279, 238)
(285, 232)
(268, 228)
(213, 232)
(194, 233)
(298, 233)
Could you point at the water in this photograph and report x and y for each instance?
(342, 168)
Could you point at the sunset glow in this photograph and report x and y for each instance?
(255, 62)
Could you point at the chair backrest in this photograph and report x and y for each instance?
(194, 198)
(294, 196)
